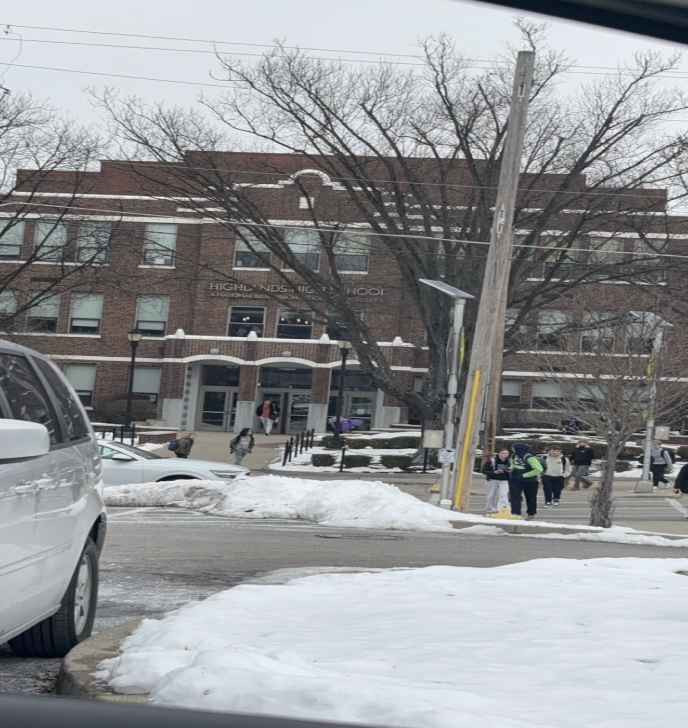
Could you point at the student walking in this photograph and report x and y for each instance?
(496, 472)
(185, 444)
(523, 480)
(581, 459)
(660, 461)
(681, 483)
(556, 469)
(242, 445)
(268, 412)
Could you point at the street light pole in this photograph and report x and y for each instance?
(134, 337)
(453, 367)
(345, 346)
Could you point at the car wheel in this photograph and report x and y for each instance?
(73, 621)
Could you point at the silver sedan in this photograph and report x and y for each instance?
(124, 465)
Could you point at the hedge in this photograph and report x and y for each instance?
(378, 443)
(323, 460)
(396, 461)
(357, 461)
(682, 452)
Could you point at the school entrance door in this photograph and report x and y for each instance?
(294, 408)
(217, 410)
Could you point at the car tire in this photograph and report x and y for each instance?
(73, 621)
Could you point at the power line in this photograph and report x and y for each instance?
(383, 57)
(120, 75)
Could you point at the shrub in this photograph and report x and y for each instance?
(402, 443)
(682, 452)
(396, 461)
(323, 460)
(357, 461)
(355, 444)
(623, 465)
(630, 452)
(326, 441)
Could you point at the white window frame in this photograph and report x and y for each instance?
(46, 233)
(512, 391)
(11, 239)
(160, 244)
(82, 377)
(549, 322)
(142, 385)
(91, 305)
(304, 313)
(361, 248)
(307, 252)
(250, 326)
(164, 310)
(52, 303)
(258, 254)
(546, 399)
(92, 242)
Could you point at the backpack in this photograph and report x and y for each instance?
(543, 460)
(672, 454)
(174, 445)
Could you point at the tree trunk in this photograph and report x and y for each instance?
(601, 500)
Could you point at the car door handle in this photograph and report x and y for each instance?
(25, 486)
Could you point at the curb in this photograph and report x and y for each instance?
(76, 678)
(532, 529)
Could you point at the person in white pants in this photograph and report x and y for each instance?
(268, 413)
(496, 472)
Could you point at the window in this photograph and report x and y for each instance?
(334, 329)
(354, 380)
(293, 324)
(147, 381)
(639, 337)
(82, 377)
(648, 264)
(86, 313)
(151, 314)
(304, 245)
(605, 252)
(250, 251)
(26, 396)
(511, 391)
(8, 303)
(351, 251)
(245, 319)
(219, 375)
(285, 378)
(547, 395)
(160, 241)
(43, 315)
(11, 239)
(92, 241)
(51, 240)
(70, 415)
(598, 332)
(556, 263)
(517, 336)
(590, 394)
(550, 325)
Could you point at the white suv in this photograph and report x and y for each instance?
(52, 519)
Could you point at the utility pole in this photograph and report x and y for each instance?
(494, 385)
(489, 329)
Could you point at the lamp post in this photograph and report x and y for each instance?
(134, 337)
(453, 355)
(345, 347)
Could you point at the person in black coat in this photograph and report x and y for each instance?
(268, 413)
(681, 483)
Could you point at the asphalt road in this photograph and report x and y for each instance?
(158, 559)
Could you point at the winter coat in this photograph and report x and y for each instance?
(525, 466)
(274, 410)
(582, 455)
(235, 443)
(185, 445)
(660, 457)
(490, 468)
(556, 467)
(682, 479)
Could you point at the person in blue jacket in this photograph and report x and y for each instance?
(523, 480)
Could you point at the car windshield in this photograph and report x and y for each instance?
(136, 451)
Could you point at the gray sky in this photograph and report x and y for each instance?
(386, 27)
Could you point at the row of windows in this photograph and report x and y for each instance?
(83, 378)
(551, 395)
(85, 312)
(152, 312)
(351, 249)
(596, 331)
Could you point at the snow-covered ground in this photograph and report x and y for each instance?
(552, 643)
(339, 503)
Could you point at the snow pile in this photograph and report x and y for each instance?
(553, 643)
(343, 503)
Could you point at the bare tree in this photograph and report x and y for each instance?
(622, 379)
(38, 144)
(415, 155)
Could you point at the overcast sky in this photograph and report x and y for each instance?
(386, 27)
